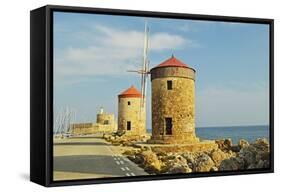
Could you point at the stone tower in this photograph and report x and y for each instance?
(131, 114)
(173, 116)
(105, 118)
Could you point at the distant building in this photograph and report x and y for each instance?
(173, 115)
(105, 123)
(131, 113)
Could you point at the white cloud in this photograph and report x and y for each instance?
(162, 41)
(111, 51)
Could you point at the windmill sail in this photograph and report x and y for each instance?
(144, 73)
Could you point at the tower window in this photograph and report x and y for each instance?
(106, 122)
(169, 85)
(128, 125)
(129, 102)
(168, 125)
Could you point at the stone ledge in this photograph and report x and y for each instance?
(192, 147)
(174, 139)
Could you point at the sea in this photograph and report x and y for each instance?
(249, 133)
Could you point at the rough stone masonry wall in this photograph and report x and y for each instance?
(178, 104)
(102, 118)
(82, 128)
(92, 128)
(95, 128)
(131, 113)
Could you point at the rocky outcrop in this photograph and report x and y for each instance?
(173, 163)
(224, 144)
(243, 143)
(250, 156)
(150, 162)
(218, 156)
(203, 163)
(227, 157)
(124, 140)
(232, 164)
(145, 159)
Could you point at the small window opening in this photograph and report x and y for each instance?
(128, 125)
(169, 85)
(168, 125)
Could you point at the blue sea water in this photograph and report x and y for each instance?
(249, 133)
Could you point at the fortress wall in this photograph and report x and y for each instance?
(105, 118)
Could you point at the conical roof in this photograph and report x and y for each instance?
(172, 62)
(131, 92)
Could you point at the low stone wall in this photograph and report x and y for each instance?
(91, 128)
(183, 138)
(170, 148)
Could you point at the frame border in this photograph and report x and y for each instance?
(49, 9)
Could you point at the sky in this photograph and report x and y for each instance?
(92, 54)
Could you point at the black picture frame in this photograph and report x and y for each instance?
(41, 99)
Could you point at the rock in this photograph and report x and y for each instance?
(120, 133)
(220, 143)
(174, 163)
(218, 156)
(224, 145)
(105, 136)
(251, 156)
(228, 143)
(161, 154)
(180, 169)
(126, 143)
(262, 164)
(203, 163)
(227, 157)
(189, 157)
(138, 159)
(235, 148)
(180, 160)
(234, 163)
(145, 148)
(115, 143)
(131, 152)
(150, 161)
(261, 145)
(214, 169)
(248, 154)
(265, 156)
(243, 143)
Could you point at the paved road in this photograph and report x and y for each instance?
(90, 157)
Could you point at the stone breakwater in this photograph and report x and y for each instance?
(226, 157)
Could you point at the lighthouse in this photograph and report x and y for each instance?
(131, 113)
(173, 103)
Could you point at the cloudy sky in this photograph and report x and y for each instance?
(93, 52)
